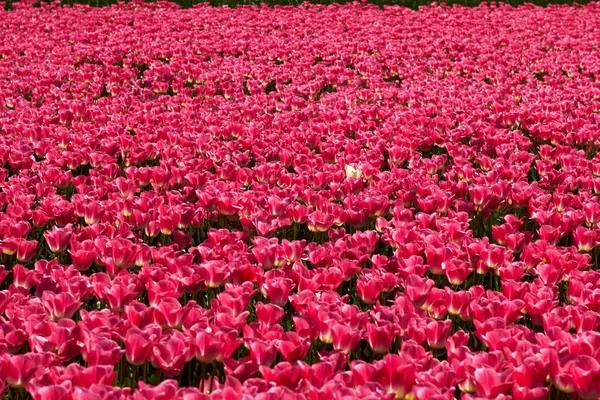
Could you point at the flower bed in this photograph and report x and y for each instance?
(299, 203)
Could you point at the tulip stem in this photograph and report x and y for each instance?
(203, 375)
(189, 373)
(212, 378)
(134, 376)
(145, 372)
(209, 298)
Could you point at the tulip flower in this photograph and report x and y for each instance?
(62, 305)
(380, 337)
(269, 314)
(262, 353)
(437, 333)
(207, 347)
(26, 250)
(489, 383)
(284, 374)
(19, 370)
(277, 290)
(58, 239)
(344, 338)
(273, 203)
(170, 355)
(584, 239)
(102, 352)
(397, 375)
(163, 391)
(139, 343)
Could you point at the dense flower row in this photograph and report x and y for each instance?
(299, 203)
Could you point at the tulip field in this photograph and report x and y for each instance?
(314, 202)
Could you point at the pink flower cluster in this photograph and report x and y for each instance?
(320, 202)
